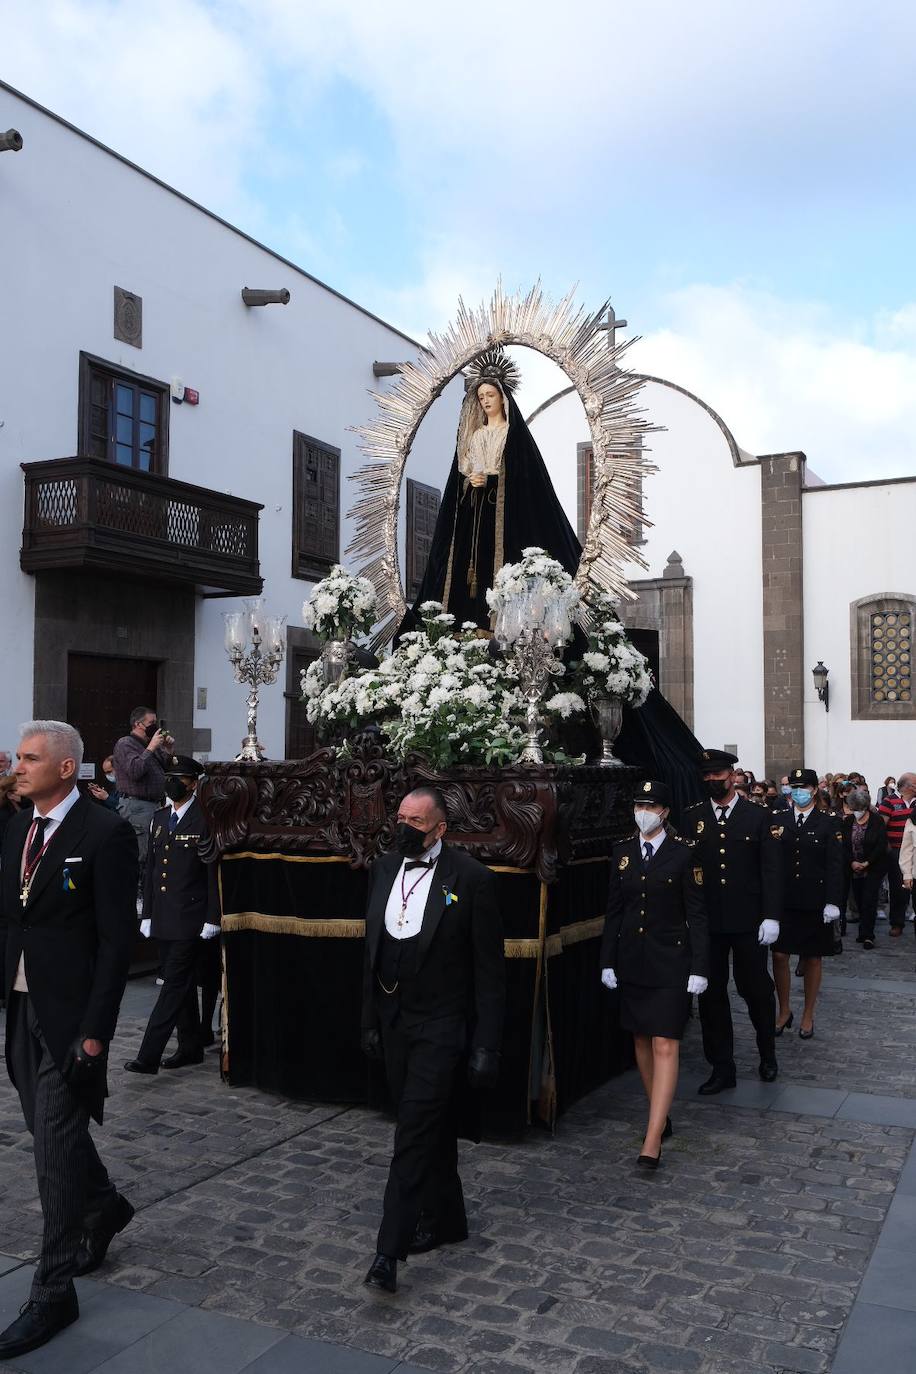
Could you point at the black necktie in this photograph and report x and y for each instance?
(41, 825)
(173, 822)
(647, 851)
(417, 863)
(723, 814)
(800, 820)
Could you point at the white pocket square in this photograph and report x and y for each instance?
(74, 859)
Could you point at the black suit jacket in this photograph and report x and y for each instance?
(813, 861)
(179, 889)
(461, 959)
(741, 862)
(77, 929)
(655, 929)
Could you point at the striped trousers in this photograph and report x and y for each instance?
(73, 1183)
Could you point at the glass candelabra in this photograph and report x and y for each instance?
(255, 644)
(535, 623)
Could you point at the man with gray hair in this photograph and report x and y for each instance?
(5, 761)
(67, 900)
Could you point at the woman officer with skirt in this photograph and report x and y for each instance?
(655, 950)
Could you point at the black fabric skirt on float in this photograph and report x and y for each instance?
(654, 1011)
(805, 933)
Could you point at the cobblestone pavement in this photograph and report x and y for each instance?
(742, 1255)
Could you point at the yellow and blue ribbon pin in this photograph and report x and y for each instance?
(69, 884)
(449, 896)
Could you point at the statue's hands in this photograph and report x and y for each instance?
(478, 479)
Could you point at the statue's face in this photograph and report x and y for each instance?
(491, 400)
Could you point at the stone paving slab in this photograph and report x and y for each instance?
(744, 1253)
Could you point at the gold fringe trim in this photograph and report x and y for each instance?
(582, 930)
(293, 925)
(334, 859)
(286, 858)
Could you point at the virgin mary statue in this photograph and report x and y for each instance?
(498, 500)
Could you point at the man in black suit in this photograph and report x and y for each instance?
(68, 910)
(737, 845)
(433, 1002)
(180, 908)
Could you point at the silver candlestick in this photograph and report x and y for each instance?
(252, 665)
(537, 662)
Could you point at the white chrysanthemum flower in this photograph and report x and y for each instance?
(565, 703)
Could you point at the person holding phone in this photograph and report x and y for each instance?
(140, 760)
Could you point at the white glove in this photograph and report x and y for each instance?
(768, 932)
(209, 931)
(146, 929)
(697, 984)
(609, 978)
(831, 913)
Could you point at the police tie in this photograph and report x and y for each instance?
(173, 822)
(723, 814)
(800, 820)
(647, 851)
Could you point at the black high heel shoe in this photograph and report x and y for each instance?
(668, 1132)
(649, 1161)
(806, 1035)
(787, 1024)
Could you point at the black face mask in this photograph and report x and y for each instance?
(717, 788)
(408, 840)
(176, 790)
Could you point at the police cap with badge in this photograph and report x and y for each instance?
(652, 793)
(803, 777)
(716, 760)
(183, 766)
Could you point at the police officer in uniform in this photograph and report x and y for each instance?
(655, 949)
(180, 907)
(737, 844)
(813, 881)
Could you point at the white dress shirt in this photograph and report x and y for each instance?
(54, 818)
(655, 842)
(727, 806)
(416, 886)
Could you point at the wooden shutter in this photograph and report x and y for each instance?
(316, 507)
(423, 504)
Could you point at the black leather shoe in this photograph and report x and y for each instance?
(181, 1057)
(94, 1245)
(138, 1066)
(716, 1083)
(383, 1273)
(768, 1070)
(37, 1323)
(427, 1238)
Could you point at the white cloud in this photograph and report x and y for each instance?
(787, 375)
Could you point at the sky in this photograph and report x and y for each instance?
(738, 179)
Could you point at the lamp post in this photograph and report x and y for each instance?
(821, 685)
(535, 623)
(253, 665)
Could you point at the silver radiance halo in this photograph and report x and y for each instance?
(576, 341)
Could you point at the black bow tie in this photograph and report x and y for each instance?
(418, 863)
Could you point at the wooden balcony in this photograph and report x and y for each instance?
(86, 513)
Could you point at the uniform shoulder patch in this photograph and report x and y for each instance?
(698, 876)
(701, 826)
(623, 862)
(776, 831)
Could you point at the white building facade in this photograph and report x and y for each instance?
(119, 295)
(777, 572)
